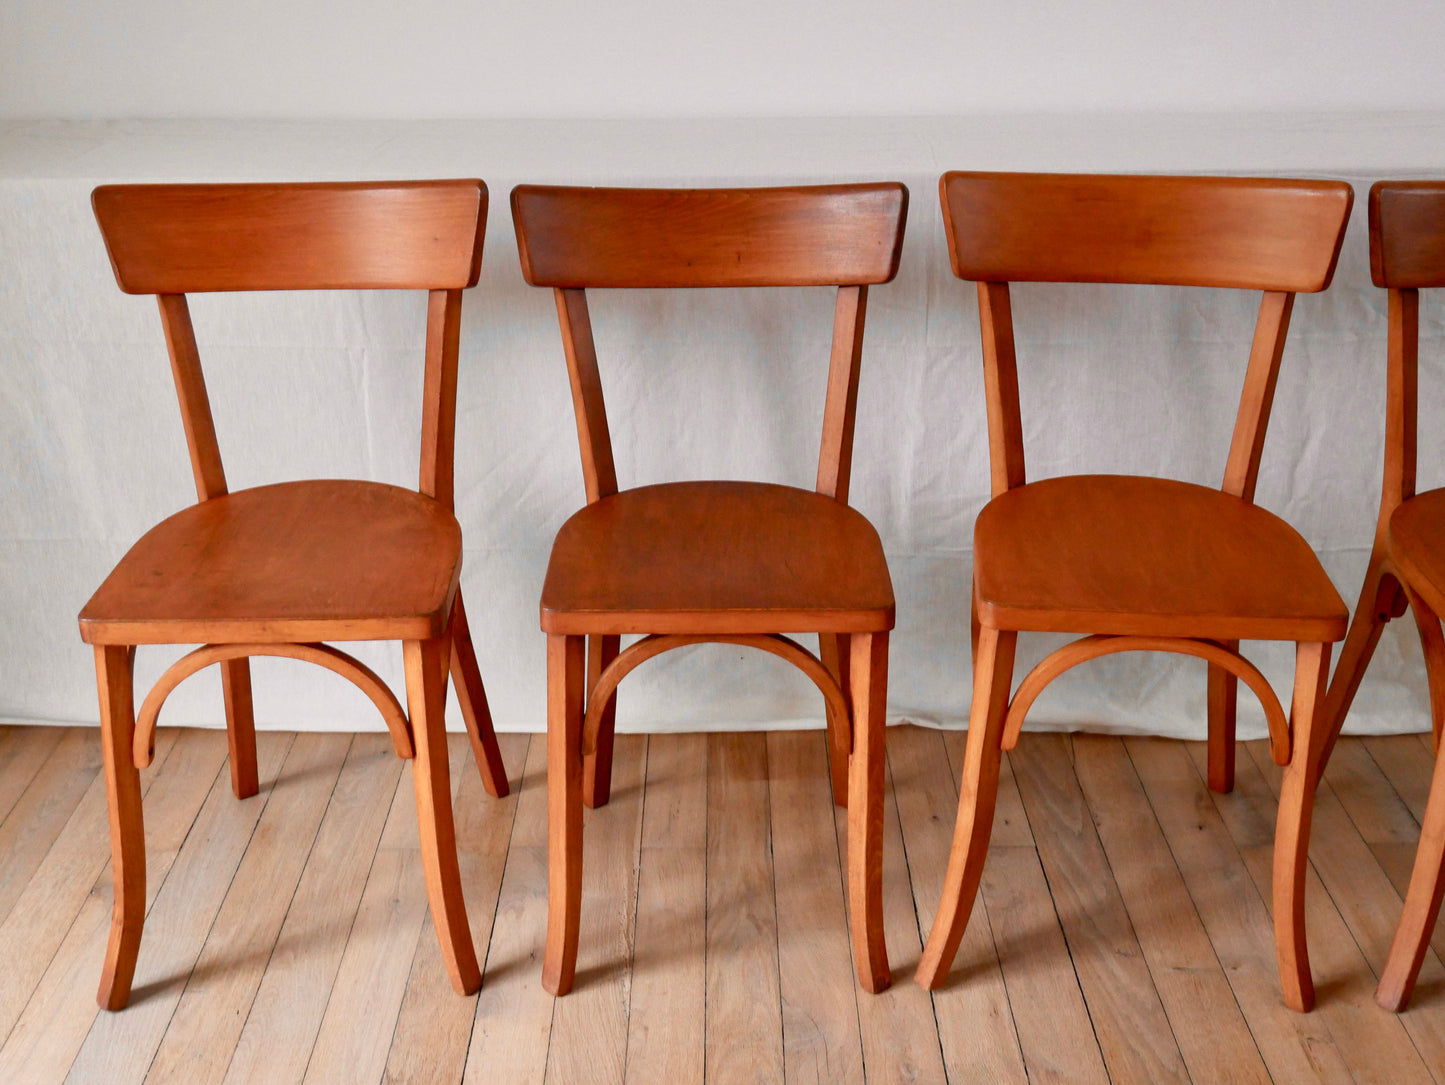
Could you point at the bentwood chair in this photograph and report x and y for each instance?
(1407, 564)
(276, 570)
(731, 562)
(1135, 563)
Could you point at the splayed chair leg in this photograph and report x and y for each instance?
(597, 749)
(426, 687)
(472, 696)
(566, 671)
(992, 675)
(1292, 831)
(113, 671)
(835, 653)
(1223, 701)
(240, 726)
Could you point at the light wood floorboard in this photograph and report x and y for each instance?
(1122, 931)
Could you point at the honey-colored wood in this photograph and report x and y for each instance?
(818, 235)
(1081, 651)
(322, 998)
(1142, 563)
(566, 674)
(361, 676)
(113, 671)
(737, 561)
(1407, 562)
(276, 570)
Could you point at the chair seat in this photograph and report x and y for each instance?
(1148, 557)
(1416, 537)
(717, 557)
(298, 561)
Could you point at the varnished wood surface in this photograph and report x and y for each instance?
(1151, 557)
(1407, 234)
(1127, 933)
(1252, 233)
(325, 559)
(717, 557)
(819, 235)
(181, 239)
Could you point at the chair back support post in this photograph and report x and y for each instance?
(191, 392)
(599, 474)
(1246, 449)
(171, 240)
(439, 396)
(1401, 383)
(1001, 388)
(835, 458)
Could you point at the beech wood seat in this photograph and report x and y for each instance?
(717, 557)
(277, 569)
(737, 562)
(1121, 554)
(322, 559)
(1142, 564)
(1407, 563)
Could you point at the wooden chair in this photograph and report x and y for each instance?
(1407, 564)
(730, 562)
(1142, 563)
(276, 570)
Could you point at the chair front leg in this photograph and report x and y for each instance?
(472, 696)
(1309, 732)
(426, 688)
(1381, 598)
(869, 672)
(835, 652)
(992, 675)
(240, 726)
(566, 673)
(1422, 899)
(1223, 701)
(113, 672)
(597, 754)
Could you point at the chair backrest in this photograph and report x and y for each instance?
(1251, 233)
(1407, 252)
(171, 240)
(1278, 236)
(848, 236)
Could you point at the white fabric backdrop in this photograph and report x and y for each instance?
(701, 384)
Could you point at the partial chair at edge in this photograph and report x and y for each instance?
(1407, 564)
(275, 570)
(732, 562)
(1136, 563)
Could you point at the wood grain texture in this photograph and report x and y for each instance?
(1148, 557)
(1407, 234)
(820, 235)
(778, 560)
(291, 562)
(370, 998)
(178, 239)
(1244, 232)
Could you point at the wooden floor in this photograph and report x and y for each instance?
(1123, 931)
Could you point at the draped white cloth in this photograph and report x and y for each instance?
(704, 384)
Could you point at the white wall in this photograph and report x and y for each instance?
(662, 58)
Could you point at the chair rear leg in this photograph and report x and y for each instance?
(836, 654)
(240, 726)
(869, 672)
(426, 688)
(1422, 899)
(566, 674)
(1381, 598)
(597, 753)
(1223, 701)
(992, 675)
(472, 696)
(113, 672)
(1292, 830)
